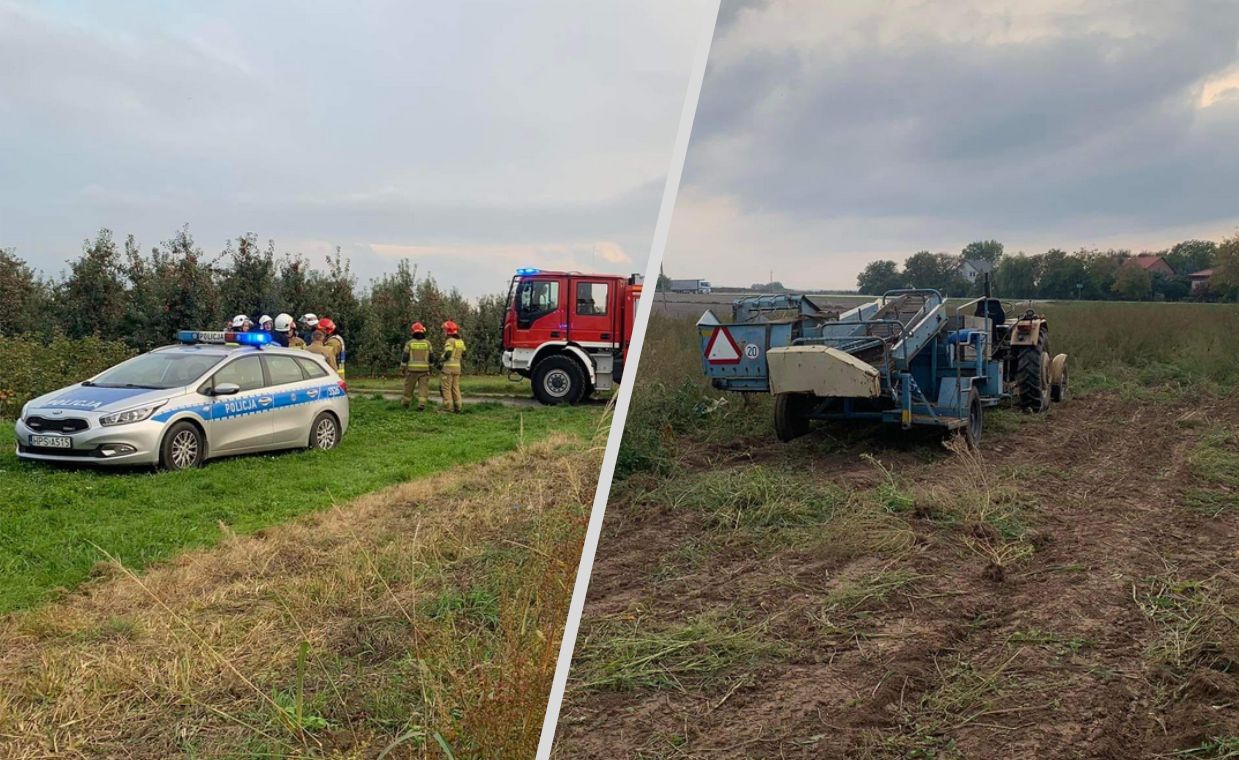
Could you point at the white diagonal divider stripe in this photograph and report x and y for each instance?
(661, 231)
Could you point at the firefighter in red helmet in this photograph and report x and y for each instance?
(415, 363)
(449, 379)
(333, 342)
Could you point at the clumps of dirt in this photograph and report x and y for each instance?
(1019, 632)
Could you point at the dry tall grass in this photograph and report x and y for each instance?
(419, 621)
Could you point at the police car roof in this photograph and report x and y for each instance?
(224, 348)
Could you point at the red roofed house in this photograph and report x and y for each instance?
(1200, 281)
(1151, 263)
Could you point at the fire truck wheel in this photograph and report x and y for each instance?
(558, 380)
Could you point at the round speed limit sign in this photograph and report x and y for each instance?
(752, 350)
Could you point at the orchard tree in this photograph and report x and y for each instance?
(387, 311)
(337, 291)
(24, 296)
(484, 334)
(92, 298)
(247, 284)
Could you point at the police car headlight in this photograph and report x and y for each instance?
(130, 415)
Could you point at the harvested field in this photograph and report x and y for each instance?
(1071, 591)
(418, 621)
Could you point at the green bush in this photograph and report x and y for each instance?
(34, 366)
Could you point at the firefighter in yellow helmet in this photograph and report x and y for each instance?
(415, 363)
(449, 379)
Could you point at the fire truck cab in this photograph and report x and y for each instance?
(569, 332)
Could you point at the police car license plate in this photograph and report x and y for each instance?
(52, 441)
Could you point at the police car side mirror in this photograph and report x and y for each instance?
(226, 389)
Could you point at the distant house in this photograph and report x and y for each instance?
(1151, 263)
(971, 269)
(1200, 281)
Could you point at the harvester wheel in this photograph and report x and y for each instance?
(791, 415)
(1033, 376)
(976, 420)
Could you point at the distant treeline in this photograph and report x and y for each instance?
(1085, 274)
(118, 292)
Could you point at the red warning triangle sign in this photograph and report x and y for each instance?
(722, 348)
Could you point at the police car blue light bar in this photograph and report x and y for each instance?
(222, 336)
(524, 271)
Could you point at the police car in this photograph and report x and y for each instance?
(214, 394)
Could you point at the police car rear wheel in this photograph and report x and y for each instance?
(325, 432)
(182, 447)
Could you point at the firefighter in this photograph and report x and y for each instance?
(415, 363)
(266, 323)
(286, 332)
(318, 347)
(449, 377)
(310, 320)
(241, 323)
(334, 343)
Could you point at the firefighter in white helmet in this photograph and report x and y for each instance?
(285, 332)
(309, 321)
(266, 324)
(241, 323)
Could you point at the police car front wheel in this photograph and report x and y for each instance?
(183, 447)
(325, 432)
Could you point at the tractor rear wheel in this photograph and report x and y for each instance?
(1032, 376)
(791, 415)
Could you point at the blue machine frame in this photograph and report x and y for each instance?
(929, 363)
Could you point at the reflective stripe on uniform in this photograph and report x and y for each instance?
(453, 350)
(417, 353)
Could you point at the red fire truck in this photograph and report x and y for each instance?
(569, 332)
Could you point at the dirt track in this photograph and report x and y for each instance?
(1053, 658)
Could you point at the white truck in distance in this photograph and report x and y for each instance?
(690, 286)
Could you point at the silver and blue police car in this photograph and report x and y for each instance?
(214, 394)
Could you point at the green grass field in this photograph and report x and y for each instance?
(51, 516)
(470, 385)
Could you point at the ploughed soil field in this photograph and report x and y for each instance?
(1069, 591)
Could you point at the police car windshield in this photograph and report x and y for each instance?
(158, 371)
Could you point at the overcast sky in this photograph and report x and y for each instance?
(833, 134)
(472, 138)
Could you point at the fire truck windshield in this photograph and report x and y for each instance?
(538, 296)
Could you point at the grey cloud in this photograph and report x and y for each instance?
(422, 125)
(1026, 135)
